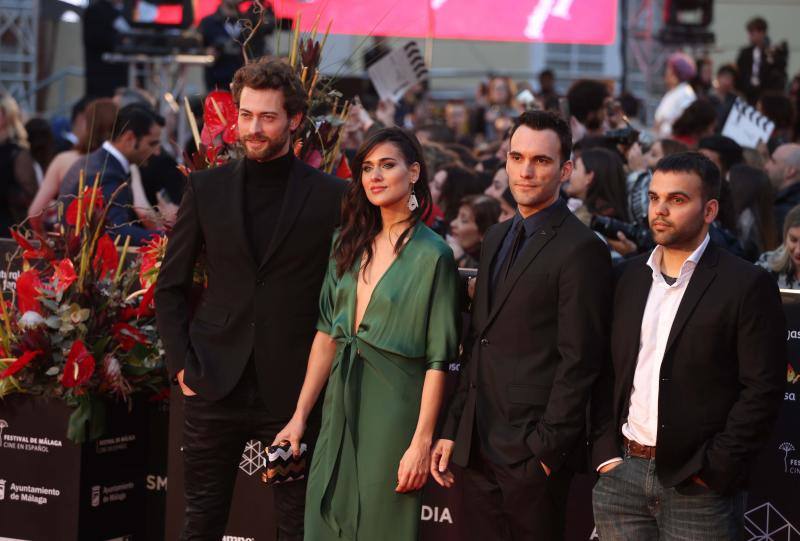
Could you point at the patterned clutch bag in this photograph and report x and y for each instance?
(282, 465)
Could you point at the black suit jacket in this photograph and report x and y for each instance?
(722, 376)
(121, 219)
(266, 308)
(537, 349)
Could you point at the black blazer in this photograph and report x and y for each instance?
(268, 308)
(121, 219)
(722, 376)
(537, 349)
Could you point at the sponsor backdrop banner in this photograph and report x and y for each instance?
(51, 488)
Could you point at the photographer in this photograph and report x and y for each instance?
(598, 181)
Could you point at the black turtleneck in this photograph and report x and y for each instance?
(264, 189)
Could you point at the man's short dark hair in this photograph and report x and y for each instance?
(545, 120)
(694, 162)
(757, 24)
(79, 107)
(730, 152)
(272, 75)
(136, 118)
(730, 69)
(586, 96)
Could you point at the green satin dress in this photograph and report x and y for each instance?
(371, 406)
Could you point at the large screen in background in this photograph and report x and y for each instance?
(160, 13)
(591, 22)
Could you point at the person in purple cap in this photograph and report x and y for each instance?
(679, 72)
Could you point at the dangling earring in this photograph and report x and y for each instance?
(413, 204)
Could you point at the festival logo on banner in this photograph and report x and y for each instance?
(2, 489)
(791, 465)
(30, 444)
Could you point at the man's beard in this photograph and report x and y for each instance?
(268, 152)
(677, 238)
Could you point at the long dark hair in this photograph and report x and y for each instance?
(361, 220)
(608, 190)
(751, 189)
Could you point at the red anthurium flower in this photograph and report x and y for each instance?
(30, 252)
(72, 209)
(28, 291)
(146, 307)
(151, 253)
(20, 363)
(79, 367)
(128, 313)
(105, 258)
(343, 171)
(64, 275)
(222, 122)
(127, 336)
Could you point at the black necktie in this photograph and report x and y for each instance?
(512, 254)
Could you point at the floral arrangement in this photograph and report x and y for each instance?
(80, 325)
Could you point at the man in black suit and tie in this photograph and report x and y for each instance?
(264, 225)
(699, 360)
(136, 137)
(539, 324)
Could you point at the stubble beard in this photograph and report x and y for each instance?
(678, 238)
(273, 148)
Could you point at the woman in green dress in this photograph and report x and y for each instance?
(387, 331)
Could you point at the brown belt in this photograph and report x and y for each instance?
(638, 450)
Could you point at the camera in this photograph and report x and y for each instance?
(609, 227)
(626, 136)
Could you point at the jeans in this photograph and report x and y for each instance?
(630, 503)
(214, 436)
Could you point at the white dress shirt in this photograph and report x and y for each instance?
(659, 313)
(111, 149)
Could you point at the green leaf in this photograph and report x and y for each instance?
(90, 413)
(50, 304)
(76, 426)
(136, 370)
(54, 322)
(139, 352)
(98, 419)
(99, 348)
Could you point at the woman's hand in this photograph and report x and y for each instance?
(414, 467)
(293, 433)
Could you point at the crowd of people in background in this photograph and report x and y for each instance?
(465, 144)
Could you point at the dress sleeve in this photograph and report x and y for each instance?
(326, 296)
(444, 320)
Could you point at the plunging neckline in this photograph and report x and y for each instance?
(357, 325)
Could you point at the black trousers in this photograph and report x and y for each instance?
(517, 502)
(214, 436)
